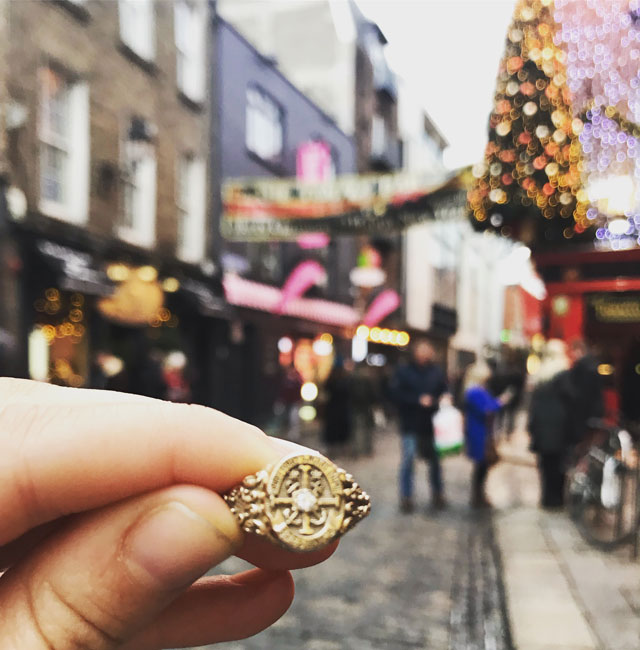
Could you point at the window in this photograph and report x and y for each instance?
(190, 29)
(191, 208)
(138, 217)
(137, 27)
(378, 135)
(265, 128)
(64, 146)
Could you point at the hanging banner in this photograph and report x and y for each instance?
(282, 209)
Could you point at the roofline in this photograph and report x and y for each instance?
(269, 62)
(435, 131)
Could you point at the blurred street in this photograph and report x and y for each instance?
(435, 580)
(396, 580)
(332, 220)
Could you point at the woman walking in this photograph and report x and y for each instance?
(479, 407)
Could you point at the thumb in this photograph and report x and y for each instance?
(98, 582)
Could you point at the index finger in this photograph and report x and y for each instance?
(67, 450)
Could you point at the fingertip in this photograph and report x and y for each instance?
(280, 580)
(276, 587)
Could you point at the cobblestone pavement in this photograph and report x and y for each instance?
(391, 585)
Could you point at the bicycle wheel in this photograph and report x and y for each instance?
(603, 503)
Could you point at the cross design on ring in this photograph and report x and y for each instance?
(305, 504)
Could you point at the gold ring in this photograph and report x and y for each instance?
(303, 502)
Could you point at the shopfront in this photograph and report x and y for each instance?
(606, 314)
(262, 341)
(119, 320)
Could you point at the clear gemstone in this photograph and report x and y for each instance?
(305, 500)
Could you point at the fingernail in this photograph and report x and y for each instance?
(173, 546)
(288, 447)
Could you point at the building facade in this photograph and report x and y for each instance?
(268, 128)
(106, 124)
(341, 65)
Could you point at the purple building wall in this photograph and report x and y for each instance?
(239, 66)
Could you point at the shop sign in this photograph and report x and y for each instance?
(210, 304)
(78, 275)
(135, 302)
(313, 162)
(611, 308)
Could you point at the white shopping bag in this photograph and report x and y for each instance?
(448, 425)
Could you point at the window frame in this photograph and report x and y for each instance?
(74, 144)
(191, 53)
(378, 131)
(49, 139)
(268, 98)
(144, 51)
(191, 207)
(139, 226)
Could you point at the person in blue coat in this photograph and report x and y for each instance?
(479, 406)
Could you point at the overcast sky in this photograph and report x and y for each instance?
(448, 51)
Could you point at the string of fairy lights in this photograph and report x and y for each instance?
(564, 139)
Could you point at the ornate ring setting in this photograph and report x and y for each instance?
(302, 503)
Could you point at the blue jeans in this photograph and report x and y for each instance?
(409, 453)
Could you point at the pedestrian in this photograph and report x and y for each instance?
(363, 400)
(509, 375)
(587, 385)
(338, 416)
(479, 408)
(174, 368)
(122, 516)
(417, 388)
(288, 402)
(551, 421)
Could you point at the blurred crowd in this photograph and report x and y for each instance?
(474, 411)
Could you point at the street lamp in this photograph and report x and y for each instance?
(140, 137)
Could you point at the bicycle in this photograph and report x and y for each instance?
(603, 498)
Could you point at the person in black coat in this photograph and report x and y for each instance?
(552, 423)
(338, 419)
(417, 388)
(588, 387)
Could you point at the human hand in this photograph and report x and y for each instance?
(110, 512)
(506, 396)
(426, 401)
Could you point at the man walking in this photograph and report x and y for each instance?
(417, 388)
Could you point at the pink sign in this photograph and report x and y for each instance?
(312, 240)
(302, 278)
(383, 305)
(313, 163)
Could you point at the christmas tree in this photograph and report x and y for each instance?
(529, 185)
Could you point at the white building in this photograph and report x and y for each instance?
(450, 270)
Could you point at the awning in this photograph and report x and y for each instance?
(76, 270)
(281, 209)
(254, 295)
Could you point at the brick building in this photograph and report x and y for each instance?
(106, 141)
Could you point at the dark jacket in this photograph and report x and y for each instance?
(588, 393)
(408, 384)
(551, 416)
(338, 412)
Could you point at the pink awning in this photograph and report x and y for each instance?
(246, 293)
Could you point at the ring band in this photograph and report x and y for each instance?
(303, 502)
